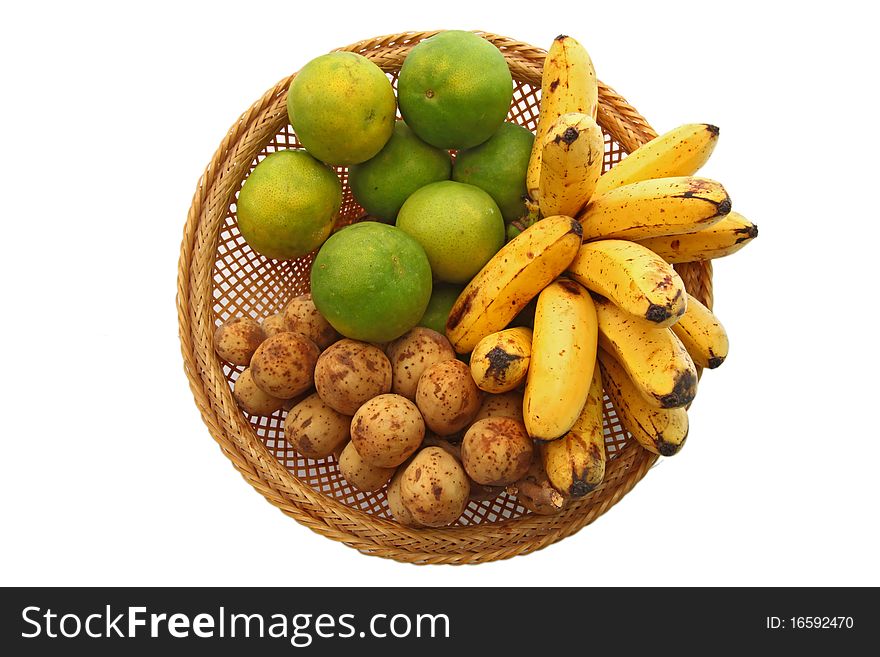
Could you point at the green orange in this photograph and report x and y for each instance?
(371, 281)
(443, 297)
(342, 108)
(498, 166)
(406, 163)
(459, 226)
(454, 89)
(288, 205)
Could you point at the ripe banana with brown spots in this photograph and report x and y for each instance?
(720, 239)
(568, 84)
(563, 359)
(514, 275)
(500, 361)
(679, 152)
(575, 464)
(655, 359)
(635, 278)
(650, 208)
(702, 335)
(571, 164)
(659, 430)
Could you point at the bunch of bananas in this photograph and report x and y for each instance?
(612, 315)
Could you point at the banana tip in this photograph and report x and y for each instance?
(561, 37)
(668, 449)
(657, 313)
(683, 392)
(725, 206)
(570, 136)
(714, 129)
(580, 488)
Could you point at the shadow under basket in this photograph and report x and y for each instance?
(220, 277)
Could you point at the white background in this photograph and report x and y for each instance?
(110, 114)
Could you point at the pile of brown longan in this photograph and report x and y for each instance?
(406, 414)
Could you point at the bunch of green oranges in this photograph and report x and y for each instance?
(437, 185)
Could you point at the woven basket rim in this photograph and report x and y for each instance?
(367, 533)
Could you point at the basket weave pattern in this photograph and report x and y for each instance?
(220, 277)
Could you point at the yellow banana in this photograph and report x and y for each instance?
(659, 430)
(500, 361)
(506, 284)
(654, 358)
(680, 152)
(702, 335)
(575, 464)
(635, 278)
(563, 358)
(665, 206)
(568, 84)
(573, 153)
(727, 236)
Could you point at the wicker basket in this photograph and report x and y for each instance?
(221, 277)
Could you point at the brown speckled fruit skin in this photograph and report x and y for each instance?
(434, 488)
(479, 492)
(395, 502)
(448, 397)
(302, 316)
(275, 324)
(314, 429)
(433, 440)
(359, 473)
(283, 366)
(349, 373)
(508, 404)
(497, 451)
(251, 399)
(413, 353)
(387, 430)
(238, 339)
